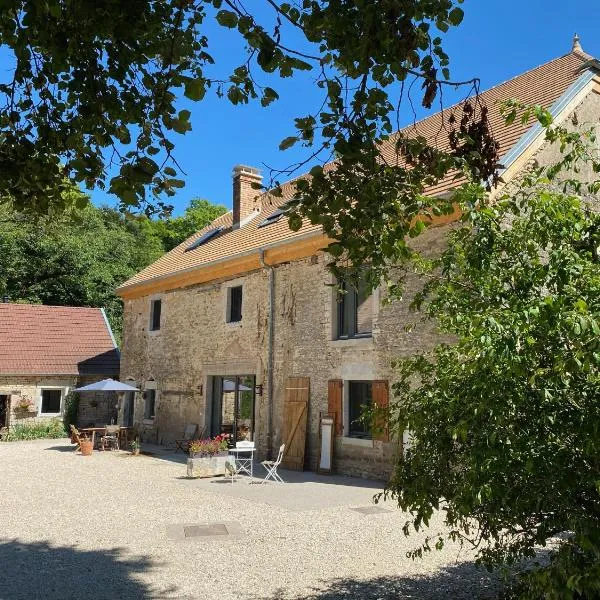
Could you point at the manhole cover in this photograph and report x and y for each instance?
(370, 510)
(205, 530)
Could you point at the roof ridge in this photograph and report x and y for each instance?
(582, 55)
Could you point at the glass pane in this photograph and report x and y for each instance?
(50, 401)
(235, 304)
(359, 397)
(228, 406)
(364, 309)
(245, 416)
(344, 303)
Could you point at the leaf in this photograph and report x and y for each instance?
(195, 89)
(227, 18)
(288, 142)
(456, 15)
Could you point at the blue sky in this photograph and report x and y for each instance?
(496, 41)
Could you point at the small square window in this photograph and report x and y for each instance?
(360, 396)
(149, 404)
(51, 401)
(155, 310)
(234, 304)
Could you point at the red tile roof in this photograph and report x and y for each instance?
(543, 85)
(55, 340)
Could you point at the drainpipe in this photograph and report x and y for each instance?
(271, 311)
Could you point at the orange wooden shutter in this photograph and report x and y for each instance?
(381, 399)
(335, 400)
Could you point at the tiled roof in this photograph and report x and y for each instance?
(55, 340)
(542, 85)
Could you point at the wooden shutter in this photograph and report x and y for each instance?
(295, 416)
(381, 400)
(335, 403)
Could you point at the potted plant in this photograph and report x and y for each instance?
(86, 446)
(208, 456)
(24, 407)
(135, 447)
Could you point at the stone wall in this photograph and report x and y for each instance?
(92, 406)
(195, 343)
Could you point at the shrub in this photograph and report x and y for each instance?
(209, 447)
(71, 410)
(51, 429)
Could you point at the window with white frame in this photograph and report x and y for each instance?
(354, 310)
(149, 404)
(51, 400)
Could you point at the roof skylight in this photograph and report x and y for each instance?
(205, 237)
(272, 218)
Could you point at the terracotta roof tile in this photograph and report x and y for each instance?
(55, 340)
(542, 85)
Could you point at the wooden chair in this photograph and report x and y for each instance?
(111, 437)
(77, 436)
(189, 434)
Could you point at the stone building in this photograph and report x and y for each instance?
(45, 352)
(247, 302)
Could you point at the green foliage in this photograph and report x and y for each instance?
(95, 89)
(80, 256)
(505, 422)
(71, 410)
(51, 429)
(174, 230)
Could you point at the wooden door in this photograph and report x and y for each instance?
(295, 416)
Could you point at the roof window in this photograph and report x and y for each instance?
(272, 218)
(205, 237)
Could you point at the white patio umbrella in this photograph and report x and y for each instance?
(229, 386)
(107, 385)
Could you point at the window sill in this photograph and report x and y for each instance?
(352, 441)
(148, 421)
(233, 323)
(50, 414)
(352, 342)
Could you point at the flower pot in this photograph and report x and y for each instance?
(207, 466)
(86, 447)
(135, 452)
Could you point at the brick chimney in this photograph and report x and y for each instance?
(245, 202)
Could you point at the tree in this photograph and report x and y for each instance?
(505, 422)
(95, 86)
(73, 260)
(197, 215)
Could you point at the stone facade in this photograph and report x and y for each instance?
(196, 344)
(93, 407)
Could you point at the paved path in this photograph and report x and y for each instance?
(113, 526)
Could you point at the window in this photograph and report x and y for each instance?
(149, 404)
(234, 304)
(272, 218)
(360, 396)
(354, 310)
(51, 401)
(155, 310)
(205, 237)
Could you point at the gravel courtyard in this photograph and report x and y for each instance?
(112, 526)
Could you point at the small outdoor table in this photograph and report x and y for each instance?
(93, 431)
(245, 463)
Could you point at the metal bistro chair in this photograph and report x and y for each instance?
(271, 467)
(111, 437)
